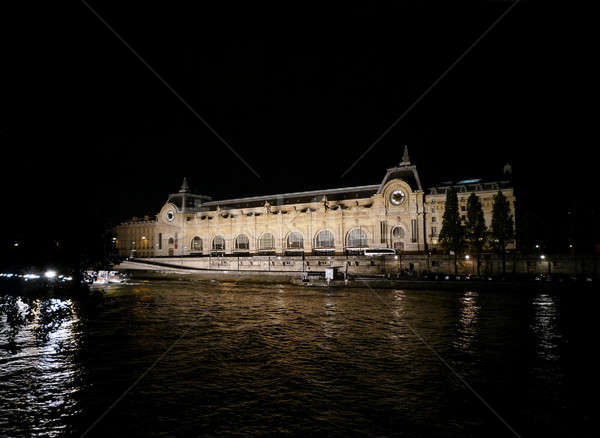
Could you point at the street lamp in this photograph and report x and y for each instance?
(467, 258)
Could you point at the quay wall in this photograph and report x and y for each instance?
(398, 266)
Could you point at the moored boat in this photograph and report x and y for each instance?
(106, 277)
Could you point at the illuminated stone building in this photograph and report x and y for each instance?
(135, 237)
(397, 214)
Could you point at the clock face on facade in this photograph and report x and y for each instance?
(397, 197)
(170, 215)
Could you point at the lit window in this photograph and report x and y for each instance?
(242, 242)
(295, 240)
(266, 242)
(196, 244)
(357, 237)
(324, 239)
(398, 234)
(218, 243)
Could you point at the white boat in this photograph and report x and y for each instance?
(106, 277)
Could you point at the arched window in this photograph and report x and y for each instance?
(357, 237)
(242, 242)
(196, 244)
(398, 233)
(324, 239)
(266, 242)
(398, 238)
(171, 241)
(295, 240)
(218, 243)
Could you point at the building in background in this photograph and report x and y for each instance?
(135, 237)
(395, 214)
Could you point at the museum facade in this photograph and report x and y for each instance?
(396, 214)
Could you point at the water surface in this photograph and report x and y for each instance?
(225, 359)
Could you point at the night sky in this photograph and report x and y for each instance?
(256, 100)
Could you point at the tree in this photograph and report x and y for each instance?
(452, 233)
(475, 229)
(502, 230)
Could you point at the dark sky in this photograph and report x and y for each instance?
(296, 93)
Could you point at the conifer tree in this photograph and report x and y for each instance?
(475, 229)
(452, 233)
(502, 230)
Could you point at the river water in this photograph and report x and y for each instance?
(175, 359)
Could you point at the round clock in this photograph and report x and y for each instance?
(170, 215)
(397, 197)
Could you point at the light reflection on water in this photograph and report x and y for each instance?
(545, 326)
(281, 359)
(38, 382)
(548, 371)
(467, 326)
(329, 322)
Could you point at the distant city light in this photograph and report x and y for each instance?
(50, 274)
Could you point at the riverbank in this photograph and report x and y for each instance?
(448, 285)
(135, 270)
(417, 265)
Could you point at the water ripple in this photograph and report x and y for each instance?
(284, 360)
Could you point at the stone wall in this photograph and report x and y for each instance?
(410, 266)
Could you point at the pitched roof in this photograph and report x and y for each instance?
(339, 194)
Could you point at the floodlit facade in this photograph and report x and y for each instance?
(396, 214)
(135, 237)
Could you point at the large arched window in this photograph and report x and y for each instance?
(266, 242)
(295, 240)
(398, 238)
(242, 242)
(218, 243)
(324, 239)
(357, 238)
(196, 244)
